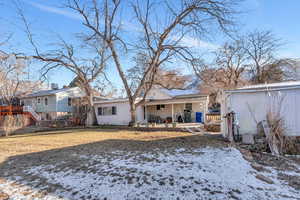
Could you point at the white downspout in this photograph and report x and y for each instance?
(172, 112)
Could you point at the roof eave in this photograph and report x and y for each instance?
(262, 89)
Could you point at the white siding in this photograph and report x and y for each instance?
(62, 103)
(121, 118)
(140, 114)
(42, 107)
(62, 99)
(253, 107)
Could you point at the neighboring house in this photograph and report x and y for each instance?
(252, 103)
(51, 104)
(161, 106)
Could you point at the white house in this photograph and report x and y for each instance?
(50, 104)
(251, 104)
(161, 106)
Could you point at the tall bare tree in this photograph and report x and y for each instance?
(250, 59)
(87, 69)
(232, 59)
(160, 37)
(226, 71)
(262, 48)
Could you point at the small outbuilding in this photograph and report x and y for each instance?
(250, 105)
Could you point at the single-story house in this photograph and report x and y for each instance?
(51, 104)
(252, 103)
(160, 106)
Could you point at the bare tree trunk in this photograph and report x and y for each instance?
(132, 114)
(91, 113)
(131, 97)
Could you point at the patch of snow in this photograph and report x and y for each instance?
(177, 92)
(18, 191)
(204, 173)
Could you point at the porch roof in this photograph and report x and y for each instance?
(176, 101)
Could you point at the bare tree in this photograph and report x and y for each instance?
(15, 81)
(246, 60)
(232, 59)
(86, 70)
(226, 71)
(165, 77)
(264, 66)
(277, 71)
(64, 55)
(161, 41)
(171, 79)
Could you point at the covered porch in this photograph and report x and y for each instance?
(185, 110)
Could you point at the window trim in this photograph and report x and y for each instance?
(46, 101)
(101, 109)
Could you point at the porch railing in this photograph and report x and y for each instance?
(8, 109)
(213, 117)
(30, 110)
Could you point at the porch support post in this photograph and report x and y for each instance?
(173, 113)
(146, 116)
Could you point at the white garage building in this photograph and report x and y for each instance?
(251, 104)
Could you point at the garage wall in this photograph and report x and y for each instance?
(253, 107)
(121, 118)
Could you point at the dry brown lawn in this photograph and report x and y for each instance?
(42, 141)
(122, 164)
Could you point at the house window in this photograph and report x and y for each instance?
(111, 110)
(69, 101)
(114, 110)
(189, 106)
(107, 110)
(39, 100)
(46, 101)
(160, 107)
(100, 111)
(48, 117)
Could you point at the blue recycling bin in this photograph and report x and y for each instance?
(199, 116)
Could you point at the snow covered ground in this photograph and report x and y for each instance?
(202, 173)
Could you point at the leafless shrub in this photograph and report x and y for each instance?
(279, 142)
(13, 123)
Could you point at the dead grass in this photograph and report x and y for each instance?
(37, 142)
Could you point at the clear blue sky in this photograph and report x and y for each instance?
(47, 19)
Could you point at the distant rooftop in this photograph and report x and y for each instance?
(286, 84)
(47, 92)
(177, 92)
(191, 88)
(111, 100)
